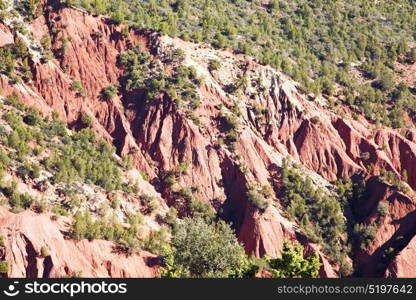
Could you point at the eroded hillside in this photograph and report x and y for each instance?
(207, 132)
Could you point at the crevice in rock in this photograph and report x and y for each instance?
(31, 268)
(47, 267)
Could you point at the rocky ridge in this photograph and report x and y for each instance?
(275, 121)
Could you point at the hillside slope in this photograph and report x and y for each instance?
(207, 126)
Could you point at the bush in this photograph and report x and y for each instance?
(84, 227)
(110, 91)
(203, 250)
(10, 55)
(386, 81)
(76, 86)
(142, 73)
(364, 234)
(199, 208)
(3, 4)
(44, 252)
(115, 203)
(292, 264)
(214, 65)
(32, 117)
(135, 219)
(4, 267)
(40, 206)
(152, 206)
(346, 268)
(156, 240)
(171, 217)
(34, 171)
(150, 202)
(128, 244)
(258, 200)
(170, 179)
(86, 120)
(17, 201)
(365, 156)
(320, 216)
(82, 157)
(393, 179)
(4, 160)
(315, 120)
(382, 209)
(46, 42)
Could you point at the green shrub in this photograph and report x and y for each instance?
(199, 208)
(258, 200)
(202, 250)
(44, 252)
(156, 240)
(171, 217)
(153, 206)
(135, 219)
(382, 209)
(393, 179)
(128, 244)
(320, 216)
(141, 72)
(10, 55)
(115, 203)
(315, 120)
(4, 267)
(4, 160)
(30, 7)
(60, 210)
(292, 263)
(40, 206)
(149, 202)
(76, 86)
(16, 200)
(214, 65)
(365, 156)
(110, 91)
(170, 179)
(364, 234)
(86, 120)
(32, 117)
(3, 4)
(46, 42)
(84, 158)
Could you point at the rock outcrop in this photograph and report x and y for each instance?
(403, 265)
(26, 233)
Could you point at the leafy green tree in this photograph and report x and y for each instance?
(201, 249)
(293, 264)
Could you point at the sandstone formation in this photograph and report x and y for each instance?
(160, 136)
